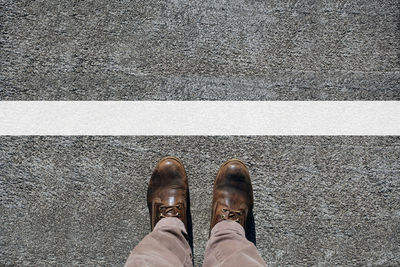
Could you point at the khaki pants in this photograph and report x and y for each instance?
(167, 245)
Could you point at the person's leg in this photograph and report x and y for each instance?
(231, 205)
(166, 245)
(167, 200)
(228, 246)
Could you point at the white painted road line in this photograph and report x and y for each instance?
(199, 118)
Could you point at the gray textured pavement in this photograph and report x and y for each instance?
(81, 200)
(318, 200)
(200, 50)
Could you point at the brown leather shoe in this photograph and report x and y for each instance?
(168, 191)
(233, 194)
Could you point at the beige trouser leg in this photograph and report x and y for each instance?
(228, 246)
(165, 246)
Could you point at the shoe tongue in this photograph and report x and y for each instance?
(171, 197)
(232, 200)
(171, 212)
(171, 201)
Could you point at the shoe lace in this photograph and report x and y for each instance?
(228, 214)
(170, 211)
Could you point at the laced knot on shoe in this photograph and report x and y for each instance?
(171, 211)
(228, 214)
